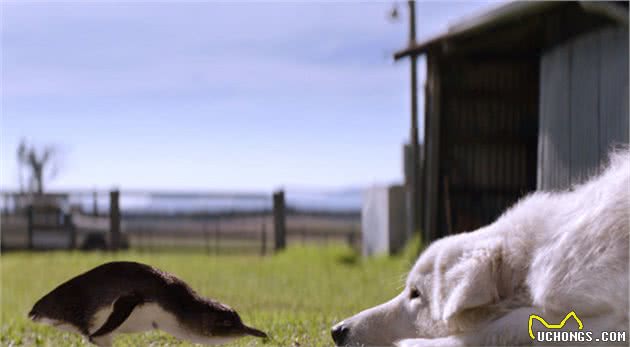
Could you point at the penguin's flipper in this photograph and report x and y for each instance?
(123, 307)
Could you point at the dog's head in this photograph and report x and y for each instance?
(446, 292)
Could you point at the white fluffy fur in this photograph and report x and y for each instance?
(550, 254)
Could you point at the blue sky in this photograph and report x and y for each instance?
(209, 95)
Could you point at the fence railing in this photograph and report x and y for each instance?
(212, 223)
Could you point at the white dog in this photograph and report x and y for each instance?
(550, 254)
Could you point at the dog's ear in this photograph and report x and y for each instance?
(472, 281)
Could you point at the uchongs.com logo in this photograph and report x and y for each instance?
(554, 334)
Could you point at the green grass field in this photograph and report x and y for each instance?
(294, 296)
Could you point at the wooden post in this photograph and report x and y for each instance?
(114, 219)
(206, 238)
(279, 221)
(29, 217)
(142, 241)
(216, 237)
(152, 243)
(71, 230)
(263, 246)
(447, 207)
(351, 238)
(431, 149)
(95, 203)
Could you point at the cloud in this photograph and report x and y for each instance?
(166, 78)
(96, 50)
(104, 49)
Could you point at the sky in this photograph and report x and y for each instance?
(246, 96)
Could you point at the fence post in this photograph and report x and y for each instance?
(114, 219)
(95, 203)
(71, 230)
(206, 238)
(216, 236)
(29, 217)
(279, 221)
(264, 243)
(351, 237)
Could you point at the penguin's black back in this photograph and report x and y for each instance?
(78, 299)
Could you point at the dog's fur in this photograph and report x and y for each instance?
(550, 254)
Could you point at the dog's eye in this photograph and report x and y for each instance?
(414, 293)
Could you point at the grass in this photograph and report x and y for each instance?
(295, 296)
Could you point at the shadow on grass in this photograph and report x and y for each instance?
(410, 253)
(348, 259)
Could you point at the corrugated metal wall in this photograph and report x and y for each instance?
(488, 140)
(583, 106)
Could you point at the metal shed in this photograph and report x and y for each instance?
(529, 95)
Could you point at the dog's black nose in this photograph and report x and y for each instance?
(339, 333)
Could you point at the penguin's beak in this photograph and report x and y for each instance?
(254, 332)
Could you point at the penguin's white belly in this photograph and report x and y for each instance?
(143, 318)
(152, 316)
(147, 317)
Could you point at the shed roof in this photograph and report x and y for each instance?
(521, 27)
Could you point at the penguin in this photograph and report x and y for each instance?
(128, 297)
